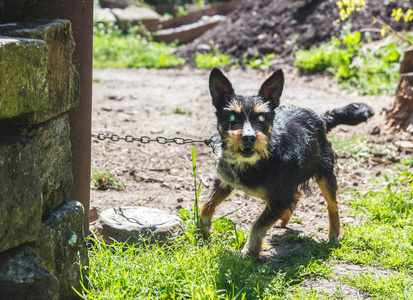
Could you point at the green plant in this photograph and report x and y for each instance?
(114, 48)
(385, 238)
(105, 179)
(369, 70)
(259, 62)
(181, 111)
(212, 59)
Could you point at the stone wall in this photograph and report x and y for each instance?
(42, 244)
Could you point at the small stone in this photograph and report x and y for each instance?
(130, 224)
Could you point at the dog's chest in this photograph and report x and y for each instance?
(251, 182)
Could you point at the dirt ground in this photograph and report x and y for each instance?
(176, 103)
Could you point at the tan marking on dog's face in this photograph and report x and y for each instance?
(234, 142)
(235, 106)
(261, 108)
(261, 144)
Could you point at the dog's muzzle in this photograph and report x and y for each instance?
(249, 138)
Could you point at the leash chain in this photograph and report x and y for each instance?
(160, 139)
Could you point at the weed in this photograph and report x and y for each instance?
(212, 59)
(263, 62)
(370, 70)
(181, 111)
(105, 179)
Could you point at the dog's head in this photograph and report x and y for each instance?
(245, 122)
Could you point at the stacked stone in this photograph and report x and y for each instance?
(42, 243)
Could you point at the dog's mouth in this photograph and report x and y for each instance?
(247, 152)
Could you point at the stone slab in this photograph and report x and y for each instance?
(23, 72)
(52, 142)
(22, 276)
(20, 192)
(62, 247)
(62, 77)
(133, 15)
(132, 223)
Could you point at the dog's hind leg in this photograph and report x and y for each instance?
(328, 187)
(217, 194)
(260, 227)
(285, 218)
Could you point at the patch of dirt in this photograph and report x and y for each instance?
(283, 27)
(145, 103)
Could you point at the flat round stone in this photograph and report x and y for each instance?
(133, 224)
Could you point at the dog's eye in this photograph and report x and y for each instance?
(261, 118)
(231, 118)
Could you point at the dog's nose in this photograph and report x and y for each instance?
(248, 136)
(249, 140)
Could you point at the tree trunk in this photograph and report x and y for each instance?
(401, 116)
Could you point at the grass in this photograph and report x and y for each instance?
(105, 179)
(190, 268)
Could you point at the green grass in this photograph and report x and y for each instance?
(386, 237)
(190, 268)
(393, 286)
(116, 49)
(105, 179)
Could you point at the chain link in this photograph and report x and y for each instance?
(144, 139)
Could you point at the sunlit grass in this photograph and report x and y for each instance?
(191, 268)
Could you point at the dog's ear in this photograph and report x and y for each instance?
(220, 88)
(272, 88)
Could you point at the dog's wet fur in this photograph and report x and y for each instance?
(271, 152)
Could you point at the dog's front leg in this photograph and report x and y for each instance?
(218, 193)
(260, 227)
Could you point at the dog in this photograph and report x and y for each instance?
(271, 152)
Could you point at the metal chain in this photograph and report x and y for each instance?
(160, 139)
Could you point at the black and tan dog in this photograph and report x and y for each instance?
(271, 152)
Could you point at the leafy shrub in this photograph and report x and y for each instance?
(115, 48)
(370, 70)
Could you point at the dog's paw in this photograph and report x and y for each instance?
(247, 253)
(281, 224)
(333, 236)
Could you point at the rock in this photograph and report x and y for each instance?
(103, 15)
(133, 15)
(94, 213)
(20, 192)
(404, 144)
(61, 244)
(62, 78)
(114, 3)
(130, 224)
(54, 163)
(22, 276)
(23, 69)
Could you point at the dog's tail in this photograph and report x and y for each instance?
(352, 114)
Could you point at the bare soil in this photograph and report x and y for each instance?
(259, 27)
(146, 103)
